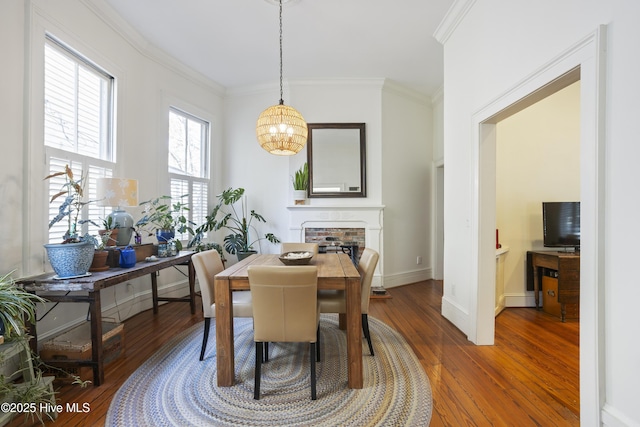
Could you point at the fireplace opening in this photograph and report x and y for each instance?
(347, 240)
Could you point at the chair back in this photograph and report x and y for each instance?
(366, 267)
(299, 247)
(207, 264)
(285, 307)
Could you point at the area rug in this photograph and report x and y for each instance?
(173, 388)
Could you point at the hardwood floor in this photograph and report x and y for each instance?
(530, 377)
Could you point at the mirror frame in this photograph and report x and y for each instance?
(363, 175)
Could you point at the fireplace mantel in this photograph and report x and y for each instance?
(369, 217)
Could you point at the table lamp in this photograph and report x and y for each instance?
(118, 193)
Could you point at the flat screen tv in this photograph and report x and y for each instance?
(561, 224)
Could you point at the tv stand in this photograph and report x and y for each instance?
(567, 266)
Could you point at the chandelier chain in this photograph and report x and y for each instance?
(281, 97)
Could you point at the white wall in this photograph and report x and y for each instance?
(406, 187)
(146, 86)
(397, 123)
(495, 50)
(537, 160)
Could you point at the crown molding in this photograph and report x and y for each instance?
(452, 19)
(114, 21)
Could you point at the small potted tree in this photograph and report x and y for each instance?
(238, 220)
(300, 184)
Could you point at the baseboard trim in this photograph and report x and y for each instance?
(408, 277)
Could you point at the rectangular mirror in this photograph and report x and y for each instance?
(336, 156)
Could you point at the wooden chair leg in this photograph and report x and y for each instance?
(365, 329)
(258, 373)
(205, 337)
(312, 359)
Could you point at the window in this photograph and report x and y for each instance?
(188, 164)
(78, 126)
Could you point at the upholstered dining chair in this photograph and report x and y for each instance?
(299, 247)
(285, 309)
(207, 264)
(335, 302)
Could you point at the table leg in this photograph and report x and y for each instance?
(154, 292)
(354, 332)
(536, 286)
(224, 333)
(192, 286)
(95, 308)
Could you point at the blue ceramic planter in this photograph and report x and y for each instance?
(70, 259)
(164, 236)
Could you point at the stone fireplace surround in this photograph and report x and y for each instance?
(367, 217)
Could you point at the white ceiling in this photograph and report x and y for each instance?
(236, 42)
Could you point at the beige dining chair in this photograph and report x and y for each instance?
(335, 302)
(285, 309)
(207, 264)
(299, 247)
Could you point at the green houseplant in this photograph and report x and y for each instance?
(238, 220)
(300, 184)
(21, 376)
(165, 218)
(72, 257)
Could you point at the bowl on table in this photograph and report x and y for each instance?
(296, 258)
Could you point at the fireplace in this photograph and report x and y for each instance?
(359, 226)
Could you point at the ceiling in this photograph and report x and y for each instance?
(236, 42)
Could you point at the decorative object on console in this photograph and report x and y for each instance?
(165, 218)
(281, 129)
(119, 193)
(72, 257)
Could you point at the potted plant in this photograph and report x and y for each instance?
(109, 232)
(238, 220)
(73, 256)
(21, 379)
(301, 184)
(164, 218)
(101, 254)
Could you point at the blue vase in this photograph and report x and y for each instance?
(164, 236)
(70, 259)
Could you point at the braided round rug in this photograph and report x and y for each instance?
(173, 388)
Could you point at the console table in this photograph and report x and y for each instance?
(92, 285)
(567, 264)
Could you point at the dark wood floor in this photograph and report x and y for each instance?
(530, 377)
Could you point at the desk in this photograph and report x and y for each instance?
(93, 284)
(335, 271)
(567, 264)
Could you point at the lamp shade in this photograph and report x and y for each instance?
(281, 130)
(117, 192)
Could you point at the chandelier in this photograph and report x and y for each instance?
(281, 129)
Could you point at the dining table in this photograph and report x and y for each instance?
(336, 271)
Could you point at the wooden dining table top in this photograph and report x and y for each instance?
(335, 271)
(332, 269)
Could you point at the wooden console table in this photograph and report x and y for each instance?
(92, 285)
(567, 264)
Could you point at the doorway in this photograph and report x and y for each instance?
(584, 61)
